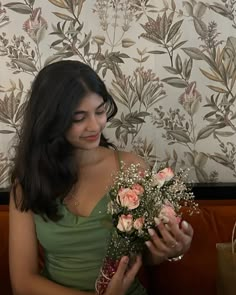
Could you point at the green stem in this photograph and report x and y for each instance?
(115, 25)
(39, 55)
(170, 53)
(192, 127)
(28, 4)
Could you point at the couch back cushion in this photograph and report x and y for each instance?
(5, 286)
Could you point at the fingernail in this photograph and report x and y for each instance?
(157, 220)
(151, 232)
(126, 259)
(167, 226)
(165, 219)
(184, 224)
(148, 244)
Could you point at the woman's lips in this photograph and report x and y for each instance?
(92, 137)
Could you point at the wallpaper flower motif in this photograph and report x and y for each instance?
(170, 66)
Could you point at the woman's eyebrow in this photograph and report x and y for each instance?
(84, 112)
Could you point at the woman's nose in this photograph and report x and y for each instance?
(93, 124)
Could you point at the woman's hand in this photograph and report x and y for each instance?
(174, 240)
(124, 276)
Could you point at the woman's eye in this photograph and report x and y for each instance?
(78, 119)
(100, 112)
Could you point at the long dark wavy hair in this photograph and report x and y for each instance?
(44, 165)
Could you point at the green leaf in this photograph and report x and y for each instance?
(200, 9)
(171, 70)
(176, 82)
(205, 132)
(55, 43)
(58, 3)
(53, 58)
(179, 45)
(187, 68)
(190, 158)
(21, 85)
(63, 16)
(180, 136)
(20, 111)
(217, 89)
(178, 64)
(143, 114)
(157, 52)
(145, 58)
(86, 40)
(210, 76)
(222, 10)
(225, 133)
(173, 5)
(4, 119)
(201, 175)
(41, 33)
(25, 64)
(31, 2)
(201, 160)
(19, 7)
(174, 30)
(222, 159)
(163, 26)
(200, 27)
(7, 131)
(210, 114)
(188, 7)
(115, 123)
(193, 52)
(194, 107)
(127, 42)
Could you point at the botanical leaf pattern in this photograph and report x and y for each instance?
(170, 66)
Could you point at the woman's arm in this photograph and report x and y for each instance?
(23, 257)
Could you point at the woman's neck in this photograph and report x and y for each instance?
(89, 157)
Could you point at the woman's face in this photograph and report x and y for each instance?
(89, 120)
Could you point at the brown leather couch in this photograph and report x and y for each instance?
(195, 274)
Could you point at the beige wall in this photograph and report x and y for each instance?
(170, 65)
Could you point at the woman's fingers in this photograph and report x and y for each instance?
(132, 272)
(168, 237)
(124, 276)
(123, 265)
(157, 245)
(187, 228)
(173, 239)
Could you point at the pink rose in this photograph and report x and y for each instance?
(138, 223)
(168, 213)
(190, 99)
(128, 198)
(138, 189)
(34, 23)
(125, 223)
(162, 176)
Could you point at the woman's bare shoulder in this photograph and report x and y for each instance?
(132, 158)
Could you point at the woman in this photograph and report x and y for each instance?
(62, 170)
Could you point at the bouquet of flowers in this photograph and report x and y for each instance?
(136, 199)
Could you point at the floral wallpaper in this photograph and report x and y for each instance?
(170, 65)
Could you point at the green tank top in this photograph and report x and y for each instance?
(74, 248)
